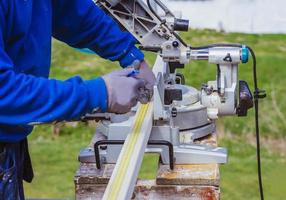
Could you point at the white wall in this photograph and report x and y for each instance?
(250, 16)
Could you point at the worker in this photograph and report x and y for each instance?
(28, 96)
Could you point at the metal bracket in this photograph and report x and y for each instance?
(121, 142)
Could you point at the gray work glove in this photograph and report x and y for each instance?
(122, 90)
(147, 75)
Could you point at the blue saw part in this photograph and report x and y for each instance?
(244, 54)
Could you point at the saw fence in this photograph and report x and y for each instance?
(195, 182)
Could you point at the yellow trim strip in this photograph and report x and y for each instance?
(127, 150)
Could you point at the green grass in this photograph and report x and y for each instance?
(55, 159)
(239, 175)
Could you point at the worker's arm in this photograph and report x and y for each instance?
(81, 24)
(25, 98)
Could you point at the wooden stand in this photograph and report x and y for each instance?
(195, 182)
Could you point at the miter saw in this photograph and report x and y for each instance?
(182, 113)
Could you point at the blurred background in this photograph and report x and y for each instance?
(247, 16)
(260, 24)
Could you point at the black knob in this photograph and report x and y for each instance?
(172, 94)
(175, 44)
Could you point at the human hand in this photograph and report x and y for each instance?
(122, 89)
(147, 75)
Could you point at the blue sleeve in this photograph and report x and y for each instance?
(25, 98)
(82, 24)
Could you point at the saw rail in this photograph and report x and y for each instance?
(124, 176)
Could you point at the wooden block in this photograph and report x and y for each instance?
(194, 182)
(89, 174)
(148, 190)
(89, 191)
(203, 174)
(191, 174)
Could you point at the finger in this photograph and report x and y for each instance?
(140, 83)
(149, 86)
(125, 71)
(144, 64)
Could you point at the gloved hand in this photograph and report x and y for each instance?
(122, 90)
(147, 75)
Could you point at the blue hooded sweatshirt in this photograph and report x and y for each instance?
(26, 29)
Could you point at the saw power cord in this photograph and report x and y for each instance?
(258, 94)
